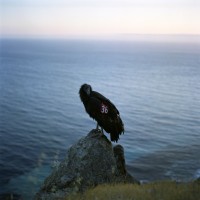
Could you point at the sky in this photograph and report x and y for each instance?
(64, 18)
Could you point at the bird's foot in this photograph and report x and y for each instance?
(97, 130)
(100, 131)
(97, 133)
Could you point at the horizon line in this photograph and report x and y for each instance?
(115, 36)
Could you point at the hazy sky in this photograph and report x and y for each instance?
(98, 17)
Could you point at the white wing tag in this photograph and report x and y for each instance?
(104, 108)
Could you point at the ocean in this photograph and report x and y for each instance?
(154, 84)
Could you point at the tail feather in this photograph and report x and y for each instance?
(118, 129)
(114, 137)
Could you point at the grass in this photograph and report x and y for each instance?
(165, 190)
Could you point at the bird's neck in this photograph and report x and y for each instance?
(85, 98)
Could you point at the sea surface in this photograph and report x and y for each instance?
(154, 84)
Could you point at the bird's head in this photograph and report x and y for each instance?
(85, 88)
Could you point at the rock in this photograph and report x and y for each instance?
(89, 162)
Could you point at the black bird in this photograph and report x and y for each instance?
(103, 111)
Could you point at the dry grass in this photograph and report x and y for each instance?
(166, 190)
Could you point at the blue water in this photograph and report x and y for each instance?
(155, 86)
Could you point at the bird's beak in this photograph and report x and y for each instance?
(88, 91)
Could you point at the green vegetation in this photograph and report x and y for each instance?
(165, 190)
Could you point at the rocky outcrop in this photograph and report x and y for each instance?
(89, 162)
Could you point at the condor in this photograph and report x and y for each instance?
(103, 111)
